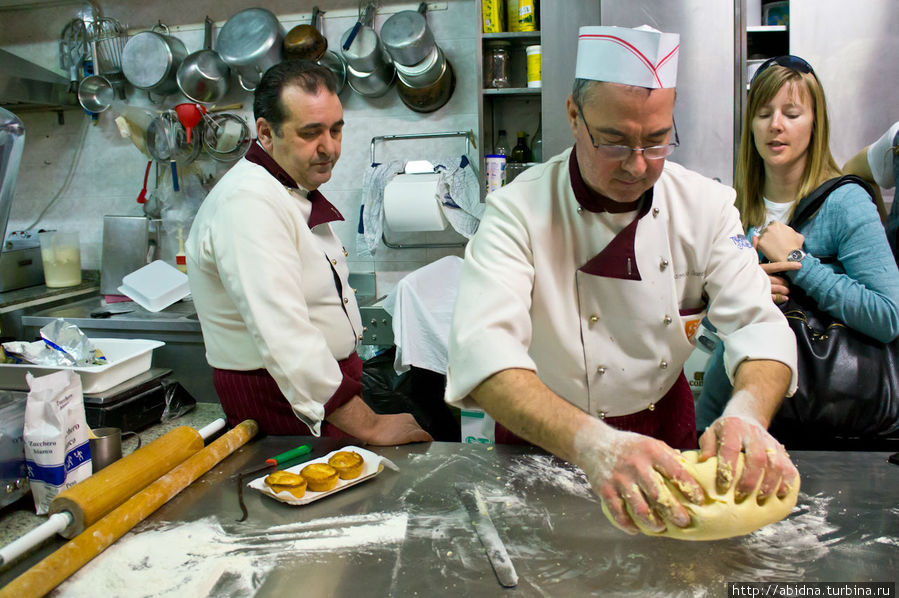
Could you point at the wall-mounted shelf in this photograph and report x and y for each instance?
(511, 91)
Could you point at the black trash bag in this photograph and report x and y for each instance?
(418, 391)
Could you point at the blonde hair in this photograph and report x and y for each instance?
(750, 175)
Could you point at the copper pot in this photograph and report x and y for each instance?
(304, 42)
(432, 97)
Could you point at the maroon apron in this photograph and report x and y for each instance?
(672, 421)
(255, 395)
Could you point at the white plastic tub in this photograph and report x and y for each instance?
(127, 358)
(155, 286)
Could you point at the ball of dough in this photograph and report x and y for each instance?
(721, 516)
(321, 477)
(347, 463)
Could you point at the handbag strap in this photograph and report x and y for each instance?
(811, 203)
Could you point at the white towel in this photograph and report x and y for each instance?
(373, 183)
(422, 309)
(459, 192)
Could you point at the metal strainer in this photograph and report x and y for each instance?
(226, 137)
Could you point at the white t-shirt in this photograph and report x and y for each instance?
(777, 211)
(880, 158)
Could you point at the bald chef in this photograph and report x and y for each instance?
(582, 290)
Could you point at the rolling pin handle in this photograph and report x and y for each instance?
(210, 429)
(54, 525)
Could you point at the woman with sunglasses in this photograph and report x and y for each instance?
(784, 156)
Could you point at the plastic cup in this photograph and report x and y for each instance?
(61, 256)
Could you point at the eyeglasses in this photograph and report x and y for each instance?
(789, 61)
(610, 151)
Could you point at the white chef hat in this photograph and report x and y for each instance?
(644, 57)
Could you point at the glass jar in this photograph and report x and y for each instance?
(497, 64)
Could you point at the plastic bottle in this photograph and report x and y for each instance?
(502, 144)
(521, 153)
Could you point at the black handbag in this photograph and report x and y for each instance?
(848, 381)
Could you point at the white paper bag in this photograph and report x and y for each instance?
(56, 436)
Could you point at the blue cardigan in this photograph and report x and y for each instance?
(861, 288)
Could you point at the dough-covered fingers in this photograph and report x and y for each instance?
(616, 511)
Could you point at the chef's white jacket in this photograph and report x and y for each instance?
(264, 286)
(612, 342)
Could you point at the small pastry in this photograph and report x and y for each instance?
(320, 477)
(281, 481)
(347, 463)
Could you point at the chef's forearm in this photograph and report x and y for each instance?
(518, 400)
(759, 388)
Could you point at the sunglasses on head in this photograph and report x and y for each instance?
(789, 61)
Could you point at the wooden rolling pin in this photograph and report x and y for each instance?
(56, 568)
(87, 501)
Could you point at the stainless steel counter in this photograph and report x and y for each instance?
(406, 534)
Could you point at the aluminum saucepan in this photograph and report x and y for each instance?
(432, 97)
(150, 61)
(407, 37)
(251, 42)
(203, 76)
(373, 84)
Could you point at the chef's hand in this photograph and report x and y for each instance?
(764, 459)
(357, 419)
(627, 471)
(776, 240)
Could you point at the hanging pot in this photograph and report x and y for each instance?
(251, 42)
(361, 47)
(426, 72)
(407, 37)
(304, 42)
(373, 84)
(150, 61)
(203, 76)
(432, 97)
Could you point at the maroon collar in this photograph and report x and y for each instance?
(588, 198)
(618, 259)
(322, 210)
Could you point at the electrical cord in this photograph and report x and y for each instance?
(69, 175)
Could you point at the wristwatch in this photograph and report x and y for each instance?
(797, 255)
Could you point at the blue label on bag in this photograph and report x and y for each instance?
(55, 475)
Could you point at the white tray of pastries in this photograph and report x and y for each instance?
(332, 473)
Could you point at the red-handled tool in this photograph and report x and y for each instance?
(142, 196)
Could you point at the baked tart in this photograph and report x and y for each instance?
(320, 477)
(281, 481)
(347, 463)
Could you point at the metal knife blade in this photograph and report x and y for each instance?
(493, 545)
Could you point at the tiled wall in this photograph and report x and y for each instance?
(108, 173)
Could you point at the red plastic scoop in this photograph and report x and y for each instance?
(190, 116)
(142, 196)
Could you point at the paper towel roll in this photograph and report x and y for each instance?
(410, 204)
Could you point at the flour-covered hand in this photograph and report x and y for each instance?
(765, 459)
(628, 472)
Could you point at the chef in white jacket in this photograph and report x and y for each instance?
(583, 288)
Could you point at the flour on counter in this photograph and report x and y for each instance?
(551, 471)
(188, 559)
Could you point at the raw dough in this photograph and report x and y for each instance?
(721, 516)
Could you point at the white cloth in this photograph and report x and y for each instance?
(605, 344)
(263, 285)
(880, 158)
(373, 183)
(422, 309)
(459, 192)
(644, 56)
